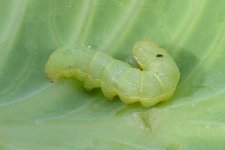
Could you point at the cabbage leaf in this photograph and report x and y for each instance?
(37, 114)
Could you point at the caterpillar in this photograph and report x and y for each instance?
(154, 81)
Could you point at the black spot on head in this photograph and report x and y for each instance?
(159, 55)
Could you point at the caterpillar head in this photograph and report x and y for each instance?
(148, 54)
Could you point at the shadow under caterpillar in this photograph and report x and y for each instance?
(155, 81)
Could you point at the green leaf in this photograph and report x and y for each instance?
(37, 114)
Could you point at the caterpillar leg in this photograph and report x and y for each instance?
(108, 92)
(90, 83)
(128, 100)
(80, 75)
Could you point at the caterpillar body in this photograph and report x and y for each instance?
(155, 81)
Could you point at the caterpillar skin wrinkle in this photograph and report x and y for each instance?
(155, 81)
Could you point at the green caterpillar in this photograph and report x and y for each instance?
(155, 81)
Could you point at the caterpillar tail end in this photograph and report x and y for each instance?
(50, 71)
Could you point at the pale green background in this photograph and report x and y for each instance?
(38, 115)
